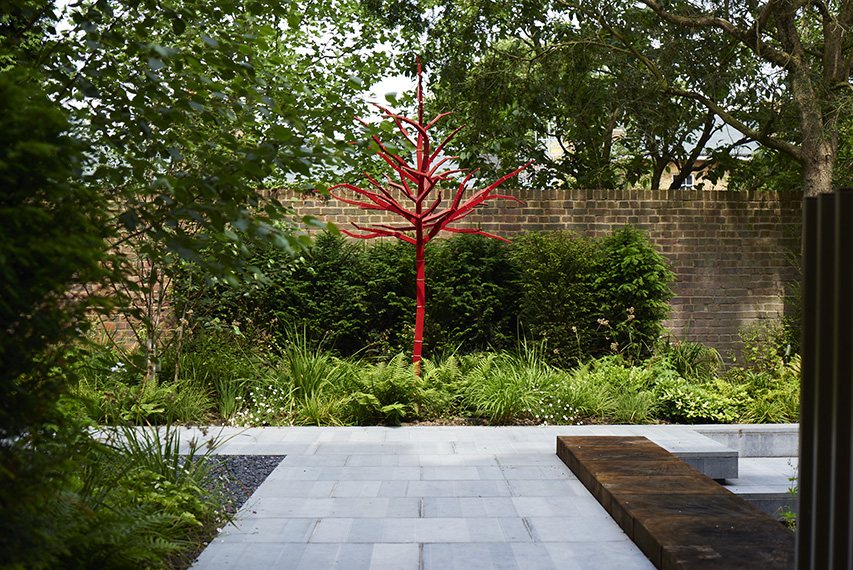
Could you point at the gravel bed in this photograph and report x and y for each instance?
(243, 474)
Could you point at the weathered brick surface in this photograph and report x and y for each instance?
(731, 251)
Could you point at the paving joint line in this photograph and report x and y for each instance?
(314, 529)
(528, 528)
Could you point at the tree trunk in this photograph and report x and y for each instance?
(658, 167)
(818, 166)
(687, 168)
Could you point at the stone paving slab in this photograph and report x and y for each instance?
(765, 482)
(755, 440)
(425, 498)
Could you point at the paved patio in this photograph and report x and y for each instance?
(429, 498)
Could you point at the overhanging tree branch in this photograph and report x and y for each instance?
(750, 38)
(761, 136)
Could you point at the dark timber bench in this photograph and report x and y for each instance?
(676, 515)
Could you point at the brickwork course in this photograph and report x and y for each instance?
(733, 253)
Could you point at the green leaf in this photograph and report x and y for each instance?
(311, 221)
(294, 18)
(155, 64)
(178, 26)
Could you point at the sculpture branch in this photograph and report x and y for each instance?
(425, 220)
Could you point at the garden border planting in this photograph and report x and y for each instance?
(729, 250)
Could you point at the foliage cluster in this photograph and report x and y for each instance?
(584, 297)
(50, 234)
(624, 91)
(592, 298)
(127, 499)
(132, 134)
(301, 384)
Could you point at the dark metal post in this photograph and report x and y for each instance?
(825, 510)
(825, 352)
(842, 377)
(807, 384)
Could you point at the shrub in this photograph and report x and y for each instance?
(690, 360)
(360, 300)
(592, 298)
(607, 389)
(389, 280)
(387, 393)
(446, 380)
(583, 298)
(131, 501)
(632, 284)
(504, 387)
(766, 343)
(109, 390)
(558, 303)
(770, 395)
(472, 295)
(324, 294)
(683, 402)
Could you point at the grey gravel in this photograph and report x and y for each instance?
(241, 475)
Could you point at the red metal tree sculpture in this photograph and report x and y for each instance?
(419, 185)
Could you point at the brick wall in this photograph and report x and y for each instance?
(730, 251)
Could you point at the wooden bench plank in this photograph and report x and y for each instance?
(678, 517)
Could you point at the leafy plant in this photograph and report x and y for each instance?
(558, 303)
(607, 389)
(446, 378)
(132, 498)
(681, 401)
(504, 386)
(473, 295)
(266, 405)
(388, 392)
(689, 359)
(229, 393)
(308, 370)
(52, 240)
(789, 517)
(765, 343)
(592, 298)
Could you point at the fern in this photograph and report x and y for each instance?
(387, 392)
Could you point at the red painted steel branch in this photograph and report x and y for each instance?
(417, 183)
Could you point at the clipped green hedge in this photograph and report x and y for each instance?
(583, 297)
(588, 297)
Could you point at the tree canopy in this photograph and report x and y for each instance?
(625, 87)
(192, 112)
(806, 48)
(137, 134)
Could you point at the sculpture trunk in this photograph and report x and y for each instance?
(420, 295)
